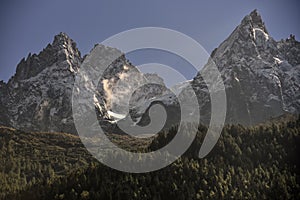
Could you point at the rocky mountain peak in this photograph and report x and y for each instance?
(62, 52)
(61, 37)
(39, 96)
(257, 21)
(261, 78)
(253, 21)
(249, 40)
(63, 41)
(261, 75)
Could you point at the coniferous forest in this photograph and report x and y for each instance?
(259, 162)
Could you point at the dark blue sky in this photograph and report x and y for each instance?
(28, 26)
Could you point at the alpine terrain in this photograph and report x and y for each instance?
(261, 77)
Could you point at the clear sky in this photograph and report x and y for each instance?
(28, 26)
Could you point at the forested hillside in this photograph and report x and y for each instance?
(28, 159)
(247, 163)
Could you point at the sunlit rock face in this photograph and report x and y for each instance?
(261, 75)
(39, 96)
(261, 78)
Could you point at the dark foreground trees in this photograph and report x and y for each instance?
(247, 163)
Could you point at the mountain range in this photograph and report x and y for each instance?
(261, 78)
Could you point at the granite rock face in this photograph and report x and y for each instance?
(261, 76)
(39, 96)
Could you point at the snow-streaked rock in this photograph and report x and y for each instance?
(261, 78)
(260, 75)
(39, 96)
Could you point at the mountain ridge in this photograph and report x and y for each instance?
(250, 62)
(261, 77)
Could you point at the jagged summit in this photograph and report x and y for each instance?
(261, 76)
(62, 40)
(257, 21)
(39, 96)
(62, 52)
(252, 21)
(246, 39)
(40, 91)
